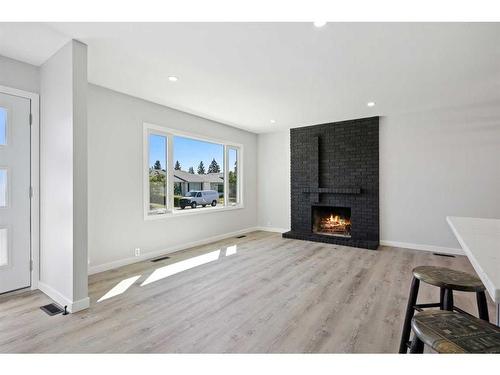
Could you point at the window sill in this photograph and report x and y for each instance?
(189, 212)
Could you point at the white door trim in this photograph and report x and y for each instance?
(35, 179)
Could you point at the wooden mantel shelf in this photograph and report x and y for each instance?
(332, 190)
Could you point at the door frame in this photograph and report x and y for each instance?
(34, 179)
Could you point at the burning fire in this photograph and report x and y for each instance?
(335, 224)
(336, 220)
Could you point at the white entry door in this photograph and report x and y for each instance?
(15, 253)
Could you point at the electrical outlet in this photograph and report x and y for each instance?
(137, 252)
(268, 223)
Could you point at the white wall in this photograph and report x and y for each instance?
(116, 220)
(435, 164)
(432, 164)
(63, 201)
(19, 75)
(80, 172)
(274, 180)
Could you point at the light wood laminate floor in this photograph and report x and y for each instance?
(261, 293)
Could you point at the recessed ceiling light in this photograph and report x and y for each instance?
(272, 121)
(370, 104)
(173, 79)
(319, 23)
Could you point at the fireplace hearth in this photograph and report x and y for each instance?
(331, 221)
(335, 183)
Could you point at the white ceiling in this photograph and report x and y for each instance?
(245, 74)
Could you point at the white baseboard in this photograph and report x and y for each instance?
(272, 229)
(79, 305)
(404, 245)
(150, 255)
(431, 248)
(54, 294)
(73, 306)
(154, 254)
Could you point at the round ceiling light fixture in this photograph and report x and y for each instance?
(370, 104)
(272, 121)
(319, 23)
(173, 79)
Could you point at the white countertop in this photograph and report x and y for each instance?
(480, 240)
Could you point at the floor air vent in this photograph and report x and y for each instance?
(159, 259)
(243, 236)
(51, 309)
(444, 255)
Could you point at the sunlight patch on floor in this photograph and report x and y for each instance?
(183, 265)
(119, 288)
(231, 250)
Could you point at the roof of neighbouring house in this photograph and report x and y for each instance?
(183, 176)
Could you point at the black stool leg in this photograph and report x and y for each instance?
(417, 346)
(448, 299)
(412, 300)
(441, 298)
(482, 306)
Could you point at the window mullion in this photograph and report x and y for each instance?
(226, 176)
(146, 173)
(170, 173)
(238, 175)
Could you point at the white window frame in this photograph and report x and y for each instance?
(147, 133)
(170, 133)
(238, 173)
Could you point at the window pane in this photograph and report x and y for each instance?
(198, 166)
(3, 126)
(3, 187)
(157, 174)
(233, 176)
(4, 260)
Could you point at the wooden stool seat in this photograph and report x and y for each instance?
(449, 279)
(451, 332)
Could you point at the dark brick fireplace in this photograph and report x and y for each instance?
(334, 183)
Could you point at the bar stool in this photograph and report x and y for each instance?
(447, 280)
(451, 332)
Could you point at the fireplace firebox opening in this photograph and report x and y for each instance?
(331, 221)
